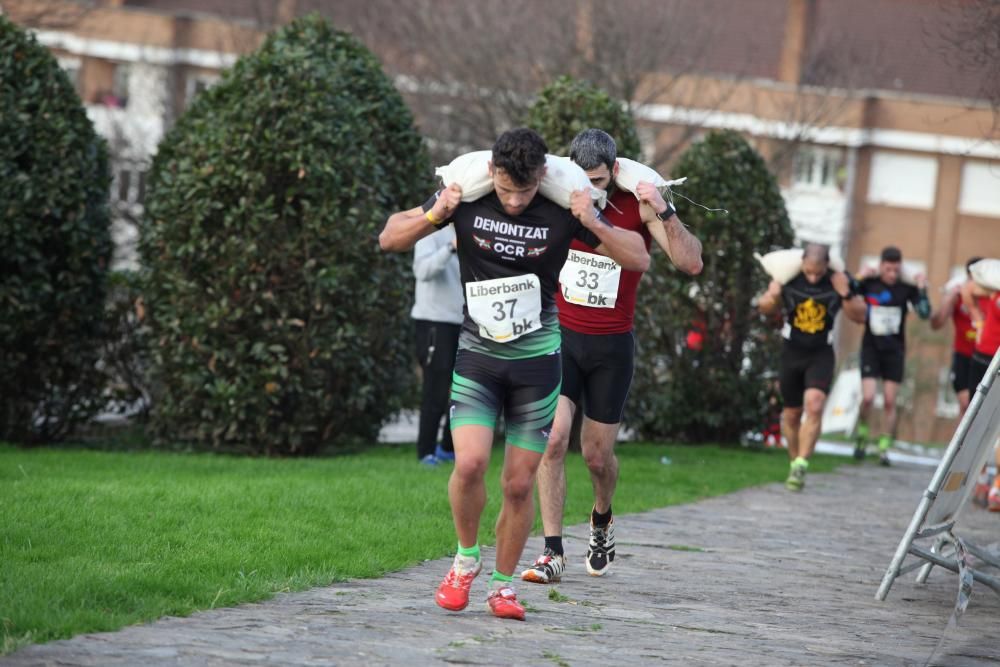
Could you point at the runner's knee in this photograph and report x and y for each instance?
(518, 487)
(470, 468)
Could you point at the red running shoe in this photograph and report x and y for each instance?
(503, 603)
(453, 593)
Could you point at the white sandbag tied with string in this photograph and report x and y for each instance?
(986, 273)
(631, 173)
(783, 265)
(472, 173)
(562, 176)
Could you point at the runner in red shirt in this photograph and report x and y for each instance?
(954, 309)
(987, 344)
(596, 307)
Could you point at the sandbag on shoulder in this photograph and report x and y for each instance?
(783, 265)
(631, 173)
(986, 273)
(562, 176)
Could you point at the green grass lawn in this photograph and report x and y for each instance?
(93, 540)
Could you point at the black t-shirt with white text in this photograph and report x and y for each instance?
(506, 251)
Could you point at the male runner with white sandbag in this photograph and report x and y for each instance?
(596, 310)
(511, 244)
(809, 302)
(889, 295)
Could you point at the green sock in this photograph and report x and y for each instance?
(804, 463)
(884, 442)
(863, 431)
(498, 578)
(472, 551)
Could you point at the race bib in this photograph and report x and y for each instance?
(505, 308)
(590, 280)
(885, 320)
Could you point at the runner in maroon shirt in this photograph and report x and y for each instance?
(596, 301)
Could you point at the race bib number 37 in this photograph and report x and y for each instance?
(505, 308)
(590, 280)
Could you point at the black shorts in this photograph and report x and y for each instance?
(526, 389)
(887, 364)
(598, 369)
(803, 369)
(978, 366)
(960, 372)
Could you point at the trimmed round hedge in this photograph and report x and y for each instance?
(55, 246)
(716, 392)
(567, 106)
(277, 325)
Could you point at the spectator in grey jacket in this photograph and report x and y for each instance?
(437, 314)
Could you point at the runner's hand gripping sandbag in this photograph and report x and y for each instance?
(562, 176)
(783, 265)
(986, 273)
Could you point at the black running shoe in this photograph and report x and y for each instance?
(601, 552)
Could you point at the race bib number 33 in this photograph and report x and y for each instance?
(590, 280)
(505, 308)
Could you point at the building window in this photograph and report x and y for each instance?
(897, 179)
(815, 167)
(980, 189)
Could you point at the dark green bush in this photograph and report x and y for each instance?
(55, 245)
(567, 106)
(277, 324)
(723, 390)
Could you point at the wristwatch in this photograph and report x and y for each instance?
(667, 213)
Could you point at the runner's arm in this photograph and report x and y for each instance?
(922, 303)
(404, 228)
(682, 247)
(853, 303)
(770, 301)
(969, 291)
(624, 246)
(942, 313)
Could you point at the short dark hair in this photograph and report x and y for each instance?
(891, 253)
(521, 154)
(972, 260)
(592, 148)
(817, 252)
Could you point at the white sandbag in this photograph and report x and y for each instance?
(562, 176)
(986, 273)
(783, 265)
(631, 173)
(954, 284)
(472, 173)
(907, 272)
